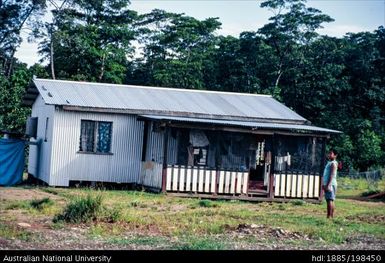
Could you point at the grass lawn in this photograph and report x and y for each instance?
(142, 220)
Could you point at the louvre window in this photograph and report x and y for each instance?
(95, 136)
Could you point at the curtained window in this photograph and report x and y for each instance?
(104, 137)
(95, 136)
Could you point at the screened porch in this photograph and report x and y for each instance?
(231, 162)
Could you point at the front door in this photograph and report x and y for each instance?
(260, 170)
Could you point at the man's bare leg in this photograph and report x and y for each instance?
(329, 207)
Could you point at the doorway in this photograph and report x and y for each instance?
(260, 170)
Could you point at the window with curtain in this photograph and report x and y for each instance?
(95, 136)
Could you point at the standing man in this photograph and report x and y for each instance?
(329, 184)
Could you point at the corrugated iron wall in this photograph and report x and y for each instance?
(39, 158)
(152, 167)
(172, 153)
(155, 146)
(124, 165)
(151, 174)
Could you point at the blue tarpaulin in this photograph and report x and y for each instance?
(11, 161)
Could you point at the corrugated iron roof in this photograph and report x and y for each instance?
(248, 124)
(169, 101)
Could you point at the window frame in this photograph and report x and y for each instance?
(46, 130)
(96, 138)
(206, 148)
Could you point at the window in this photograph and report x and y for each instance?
(200, 156)
(95, 136)
(46, 129)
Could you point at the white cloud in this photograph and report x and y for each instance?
(142, 7)
(340, 30)
(27, 53)
(235, 29)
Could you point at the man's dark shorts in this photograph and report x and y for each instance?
(331, 195)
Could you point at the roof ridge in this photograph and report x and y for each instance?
(158, 88)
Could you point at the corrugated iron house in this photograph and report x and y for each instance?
(184, 142)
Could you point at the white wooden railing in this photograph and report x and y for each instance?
(296, 185)
(205, 180)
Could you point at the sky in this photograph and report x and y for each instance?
(246, 15)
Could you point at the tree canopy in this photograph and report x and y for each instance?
(333, 82)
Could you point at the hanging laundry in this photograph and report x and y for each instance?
(198, 138)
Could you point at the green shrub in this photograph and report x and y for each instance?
(87, 209)
(370, 192)
(201, 244)
(49, 190)
(111, 215)
(81, 210)
(13, 232)
(134, 203)
(17, 205)
(39, 204)
(298, 202)
(207, 203)
(58, 225)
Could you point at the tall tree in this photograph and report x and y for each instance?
(244, 64)
(12, 114)
(15, 15)
(176, 48)
(292, 26)
(57, 6)
(91, 40)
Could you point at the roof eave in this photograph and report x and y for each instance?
(178, 114)
(297, 131)
(30, 95)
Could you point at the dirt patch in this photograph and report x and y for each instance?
(364, 200)
(178, 208)
(370, 219)
(262, 231)
(268, 238)
(4, 243)
(362, 242)
(20, 194)
(75, 237)
(21, 218)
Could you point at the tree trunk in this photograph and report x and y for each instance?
(52, 54)
(52, 51)
(102, 68)
(11, 59)
(280, 71)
